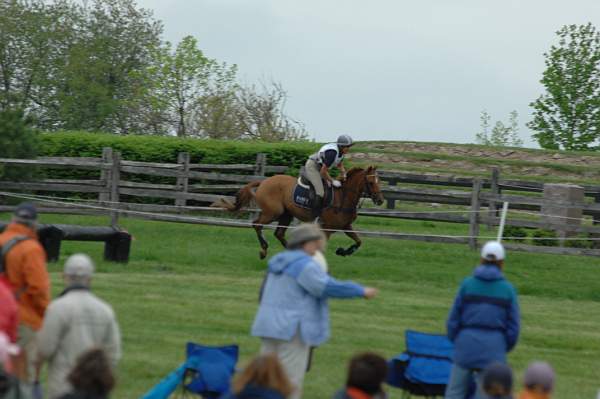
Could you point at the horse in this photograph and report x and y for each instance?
(274, 196)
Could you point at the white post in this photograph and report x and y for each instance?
(502, 221)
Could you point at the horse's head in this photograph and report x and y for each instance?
(372, 185)
(366, 180)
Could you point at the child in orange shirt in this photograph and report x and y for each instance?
(538, 382)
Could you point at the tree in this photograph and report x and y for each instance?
(501, 135)
(101, 65)
(181, 83)
(34, 38)
(70, 66)
(17, 140)
(261, 114)
(116, 39)
(483, 136)
(567, 115)
(513, 129)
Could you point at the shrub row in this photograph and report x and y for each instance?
(165, 149)
(546, 238)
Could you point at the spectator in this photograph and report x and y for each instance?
(538, 382)
(10, 387)
(92, 377)
(25, 271)
(498, 381)
(483, 323)
(366, 375)
(76, 322)
(9, 312)
(263, 378)
(293, 313)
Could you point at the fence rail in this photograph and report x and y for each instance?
(188, 187)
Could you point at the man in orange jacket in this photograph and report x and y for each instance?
(25, 270)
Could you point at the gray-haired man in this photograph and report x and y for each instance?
(76, 322)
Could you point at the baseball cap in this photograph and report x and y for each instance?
(79, 265)
(539, 374)
(493, 251)
(498, 381)
(304, 233)
(26, 211)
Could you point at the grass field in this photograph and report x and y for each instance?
(195, 283)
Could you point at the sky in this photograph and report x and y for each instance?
(420, 70)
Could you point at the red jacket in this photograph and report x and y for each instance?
(9, 312)
(25, 266)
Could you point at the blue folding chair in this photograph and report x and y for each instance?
(206, 373)
(424, 368)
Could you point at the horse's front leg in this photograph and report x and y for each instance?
(352, 248)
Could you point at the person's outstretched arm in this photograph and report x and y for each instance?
(321, 285)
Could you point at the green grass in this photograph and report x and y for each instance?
(195, 283)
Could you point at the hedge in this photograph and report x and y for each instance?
(165, 149)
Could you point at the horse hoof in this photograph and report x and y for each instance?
(263, 254)
(340, 252)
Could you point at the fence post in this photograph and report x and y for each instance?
(474, 215)
(495, 191)
(107, 155)
(183, 158)
(391, 203)
(596, 221)
(115, 180)
(261, 164)
(259, 170)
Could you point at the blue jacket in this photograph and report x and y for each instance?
(484, 321)
(294, 298)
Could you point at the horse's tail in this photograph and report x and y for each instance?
(242, 198)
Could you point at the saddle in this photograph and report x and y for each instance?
(304, 193)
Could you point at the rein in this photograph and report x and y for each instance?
(359, 203)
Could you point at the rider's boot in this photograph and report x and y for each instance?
(317, 207)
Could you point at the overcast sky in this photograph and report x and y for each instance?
(385, 69)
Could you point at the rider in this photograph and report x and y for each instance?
(318, 165)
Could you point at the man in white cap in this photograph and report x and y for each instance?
(76, 322)
(484, 322)
(293, 314)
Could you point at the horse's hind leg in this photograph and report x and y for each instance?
(351, 249)
(284, 222)
(258, 225)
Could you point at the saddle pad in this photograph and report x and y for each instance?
(303, 197)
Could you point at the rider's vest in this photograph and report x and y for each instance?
(319, 156)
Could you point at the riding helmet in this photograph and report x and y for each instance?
(345, 141)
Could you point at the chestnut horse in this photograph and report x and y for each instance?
(274, 196)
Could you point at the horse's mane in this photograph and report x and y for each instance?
(353, 171)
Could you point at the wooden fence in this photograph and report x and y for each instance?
(192, 186)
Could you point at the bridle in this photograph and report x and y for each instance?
(368, 191)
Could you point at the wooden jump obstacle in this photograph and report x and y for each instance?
(117, 243)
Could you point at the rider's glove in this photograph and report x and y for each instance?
(336, 184)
